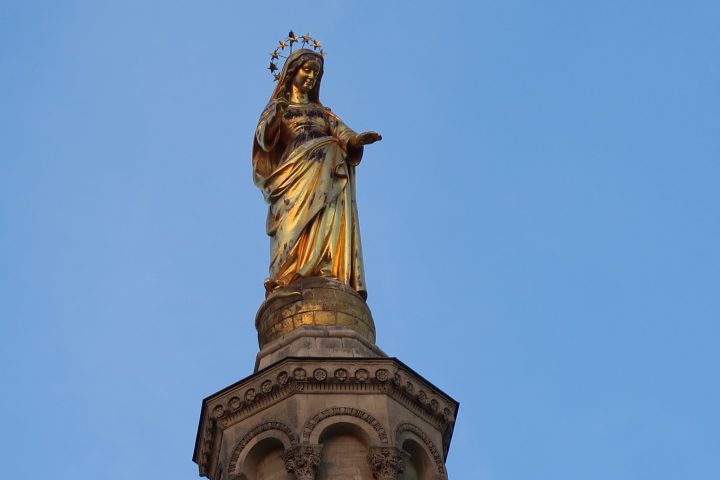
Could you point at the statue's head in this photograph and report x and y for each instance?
(304, 69)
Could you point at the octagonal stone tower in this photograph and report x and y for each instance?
(324, 402)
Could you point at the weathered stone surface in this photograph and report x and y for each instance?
(324, 402)
(373, 407)
(317, 341)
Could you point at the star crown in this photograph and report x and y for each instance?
(285, 48)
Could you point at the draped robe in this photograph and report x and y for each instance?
(306, 173)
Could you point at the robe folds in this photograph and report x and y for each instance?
(307, 175)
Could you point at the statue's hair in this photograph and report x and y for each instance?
(291, 68)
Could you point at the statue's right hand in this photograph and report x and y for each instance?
(281, 106)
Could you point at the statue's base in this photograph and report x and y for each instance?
(314, 317)
(324, 401)
(317, 341)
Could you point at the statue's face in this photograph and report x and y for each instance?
(306, 76)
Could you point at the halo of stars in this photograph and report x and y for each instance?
(285, 48)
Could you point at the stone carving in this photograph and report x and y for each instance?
(250, 395)
(303, 461)
(337, 411)
(396, 383)
(202, 455)
(386, 462)
(341, 374)
(264, 427)
(424, 400)
(424, 396)
(382, 375)
(437, 458)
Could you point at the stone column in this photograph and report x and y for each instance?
(303, 461)
(386, 462)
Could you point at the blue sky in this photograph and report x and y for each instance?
(540, 224)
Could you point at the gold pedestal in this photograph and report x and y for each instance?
(313, 302)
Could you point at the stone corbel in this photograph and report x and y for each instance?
(386, 462)
(302, 461)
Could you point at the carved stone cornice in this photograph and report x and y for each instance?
(308, 375)
(386, 462)
(302, 461)
(356, 375)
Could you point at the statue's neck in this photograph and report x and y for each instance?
(296, 96)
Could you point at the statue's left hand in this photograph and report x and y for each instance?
(365, 138)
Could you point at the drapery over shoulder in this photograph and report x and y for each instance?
(309, 184)
(266, 156)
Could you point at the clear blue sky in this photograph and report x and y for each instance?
(541, 224)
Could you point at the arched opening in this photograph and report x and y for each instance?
(264, 461)
(418, 465)
(344, 452)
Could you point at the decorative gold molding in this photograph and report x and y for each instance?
(315, 302)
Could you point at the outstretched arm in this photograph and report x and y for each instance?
(365, 138)
(354, 142)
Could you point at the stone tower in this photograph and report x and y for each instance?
(324, 402)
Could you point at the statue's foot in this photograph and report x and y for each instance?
(275, 289)
(283, 293)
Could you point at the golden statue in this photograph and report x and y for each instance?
(304, 160)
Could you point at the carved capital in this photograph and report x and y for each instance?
(386, 462)
(303, 461)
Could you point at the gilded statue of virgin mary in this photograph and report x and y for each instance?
(304, 160)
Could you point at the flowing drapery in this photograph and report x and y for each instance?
(310, 188)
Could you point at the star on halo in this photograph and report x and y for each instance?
(292, 39)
